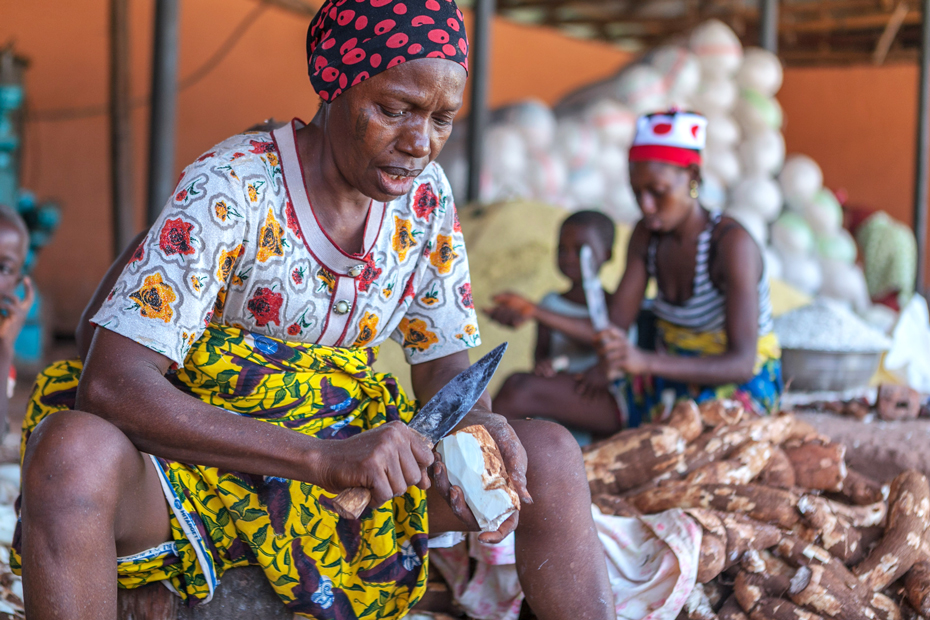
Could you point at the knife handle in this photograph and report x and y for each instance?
(350, 503)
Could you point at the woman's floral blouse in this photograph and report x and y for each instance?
(239, 245)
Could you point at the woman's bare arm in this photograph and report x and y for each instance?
(543, 337)
(626, 301)
(124, 383)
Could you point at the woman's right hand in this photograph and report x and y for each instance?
(511, 309)
(386, 460)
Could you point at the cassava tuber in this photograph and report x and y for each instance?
(709, 520)
(760, 503)
(836, 533)
(860, 489)
(697, 607)
(899, 548)
(800, 553)
(745, 534)
(820, 588)
(731, 610)
(632, 458)
(818, 465)
(917, 587)
(721, 412)
(750, 588)
(713, 557)
(741, 467)
(780, 609)
(686, 418)
(778, 472)
(613, 505)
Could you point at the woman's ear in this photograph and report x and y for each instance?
(694, 172)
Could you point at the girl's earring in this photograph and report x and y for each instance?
(694, 189)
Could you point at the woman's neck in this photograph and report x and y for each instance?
(341, 210)
(575, 293)
(692, 225)
(326, 185)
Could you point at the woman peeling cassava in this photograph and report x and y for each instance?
(715, 336)
(240, 337)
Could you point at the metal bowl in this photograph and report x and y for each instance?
(826, 371)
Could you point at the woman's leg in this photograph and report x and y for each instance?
(560, 559)
(89, 496)
(526, 395)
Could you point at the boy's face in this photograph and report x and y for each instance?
(12, 256)
(571, 239)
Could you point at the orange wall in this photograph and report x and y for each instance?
(264, 76)
(859, 124)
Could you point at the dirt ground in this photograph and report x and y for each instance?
(878, 449)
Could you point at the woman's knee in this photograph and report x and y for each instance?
(554, 458)
(512, 393)
(75, 453)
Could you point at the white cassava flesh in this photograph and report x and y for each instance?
(474, 463)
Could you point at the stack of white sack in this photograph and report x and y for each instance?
(575, 155)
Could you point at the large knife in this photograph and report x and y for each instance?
(597, 309)
(435, 419)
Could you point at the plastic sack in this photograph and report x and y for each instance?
(907, 359)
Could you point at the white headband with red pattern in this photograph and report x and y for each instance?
(671, 137)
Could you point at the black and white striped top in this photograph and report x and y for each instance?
(705, 310)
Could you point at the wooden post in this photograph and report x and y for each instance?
(480, 82)
(923, 150)
(768, 25)
(164, 107)
(123, 213)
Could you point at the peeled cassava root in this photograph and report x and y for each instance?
(474, 463)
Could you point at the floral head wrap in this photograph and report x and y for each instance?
(352, 40)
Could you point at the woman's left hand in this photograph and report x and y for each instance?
(514, 457)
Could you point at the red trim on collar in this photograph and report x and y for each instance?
(666, 154)
(365, 250)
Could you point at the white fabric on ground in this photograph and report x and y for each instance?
(652, 563)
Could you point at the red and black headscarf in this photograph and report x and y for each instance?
(352, 40)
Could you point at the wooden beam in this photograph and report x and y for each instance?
(479, 113)
(121, 168)
(876, 21)
(895, 21)
(163, 116)
(922, 174)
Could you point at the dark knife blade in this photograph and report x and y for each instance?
(456, 398)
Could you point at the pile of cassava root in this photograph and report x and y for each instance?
(789, 532)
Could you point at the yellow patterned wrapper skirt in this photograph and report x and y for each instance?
(320, 565)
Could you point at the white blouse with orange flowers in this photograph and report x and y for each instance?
(239, 245)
